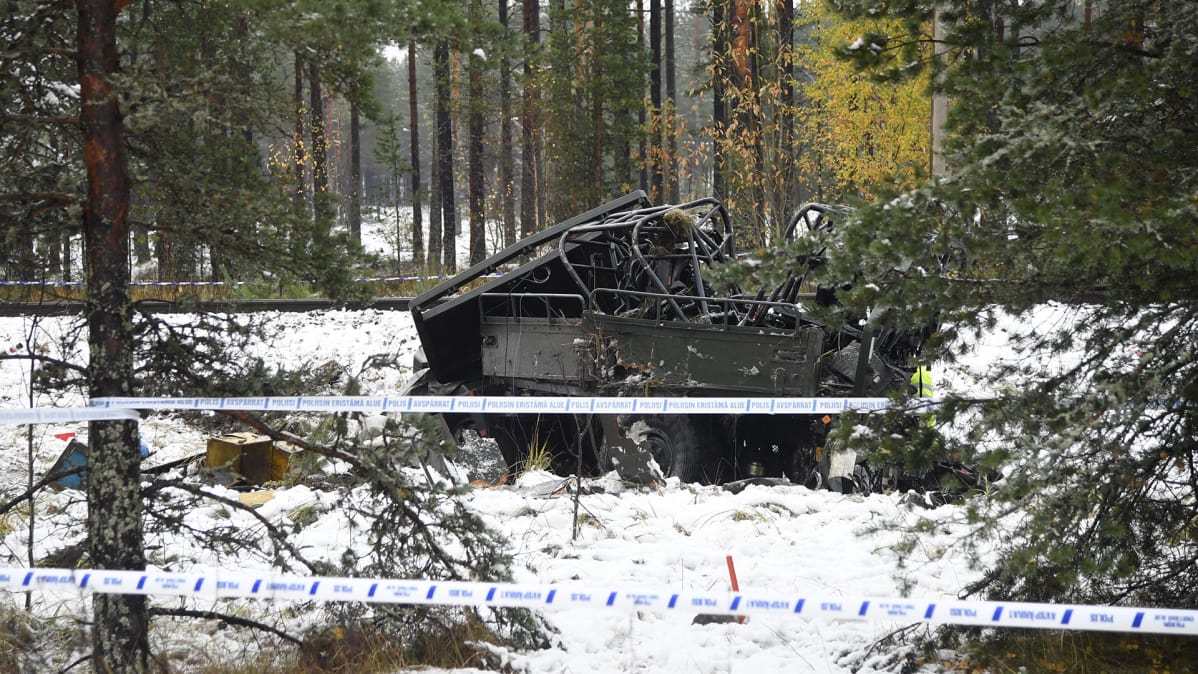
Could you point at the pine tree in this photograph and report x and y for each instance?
(433, 260)
(114, 514)
(1072, 178)
(592, 86)
(477, 189)
(449, 220)
(529, 124)
(414, 125)
(657, 180)
(507, 188)
(355, 176)
(670, 113)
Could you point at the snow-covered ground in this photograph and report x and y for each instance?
(381, 228)
(786, 539)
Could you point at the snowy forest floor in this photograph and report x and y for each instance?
(788, 539)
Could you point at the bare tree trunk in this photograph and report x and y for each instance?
(449, 222)
(719, 113)
(434, 209)
(785, 10)
(53, 261)
(414, 124)
(671, 106)
(355, 177)
(322, 199)
(26, 260)
(114, 515)
(476, 187)
(657, 192)
(506, 162)
(66, 255)
(754, 115)
(298, 152)
(642, 146)
(542, 191)
(528, 119)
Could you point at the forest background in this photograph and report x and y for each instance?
(260, 131)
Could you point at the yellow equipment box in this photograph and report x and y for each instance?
(252, 457)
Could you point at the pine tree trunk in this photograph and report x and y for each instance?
(657, 192)
(355, 177)
(66, 255)
(434, 208)
(528, 119)
(299, 155)
(542, 192)
(754, 116)
(506, 163)
(477, 189)
(671, 106)
(25, 258)
(623, 158)
(449, 220)
(785, 11)
(53, 261)
(719, 114)
(642, 145)
(322, 199)
(114, 516)
(414, 124)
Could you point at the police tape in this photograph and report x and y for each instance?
(124, 408)
(221, 585)
(58, 415)
(506, 404)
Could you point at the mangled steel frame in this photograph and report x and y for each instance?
(614, 301)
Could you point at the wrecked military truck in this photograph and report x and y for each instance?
(615, 302)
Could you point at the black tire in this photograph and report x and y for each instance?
(678, 443)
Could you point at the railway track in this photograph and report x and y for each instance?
(72, 307)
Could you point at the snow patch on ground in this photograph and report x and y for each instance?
(784, 539)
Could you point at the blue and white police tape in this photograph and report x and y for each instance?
(60, 415)
(221, 585)
(123, 408)
(507, 404)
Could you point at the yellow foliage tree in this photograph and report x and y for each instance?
(859, 134)
(842, 136)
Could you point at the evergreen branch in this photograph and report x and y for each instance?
(59, 120)
(396, 491)
(64, 198)
(44, 359)
(41, 484)
(26, 54)
(224, 618)
(1125, 47)
(277, 536)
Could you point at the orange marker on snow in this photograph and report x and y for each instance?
(735, 585)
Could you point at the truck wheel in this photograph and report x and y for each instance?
(677, 442)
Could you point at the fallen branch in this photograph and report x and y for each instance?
(224, 618)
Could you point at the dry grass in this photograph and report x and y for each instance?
(15, 638)
(364, 650)
(1080, 653)
(539, 457)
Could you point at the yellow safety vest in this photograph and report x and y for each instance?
(921, 382)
